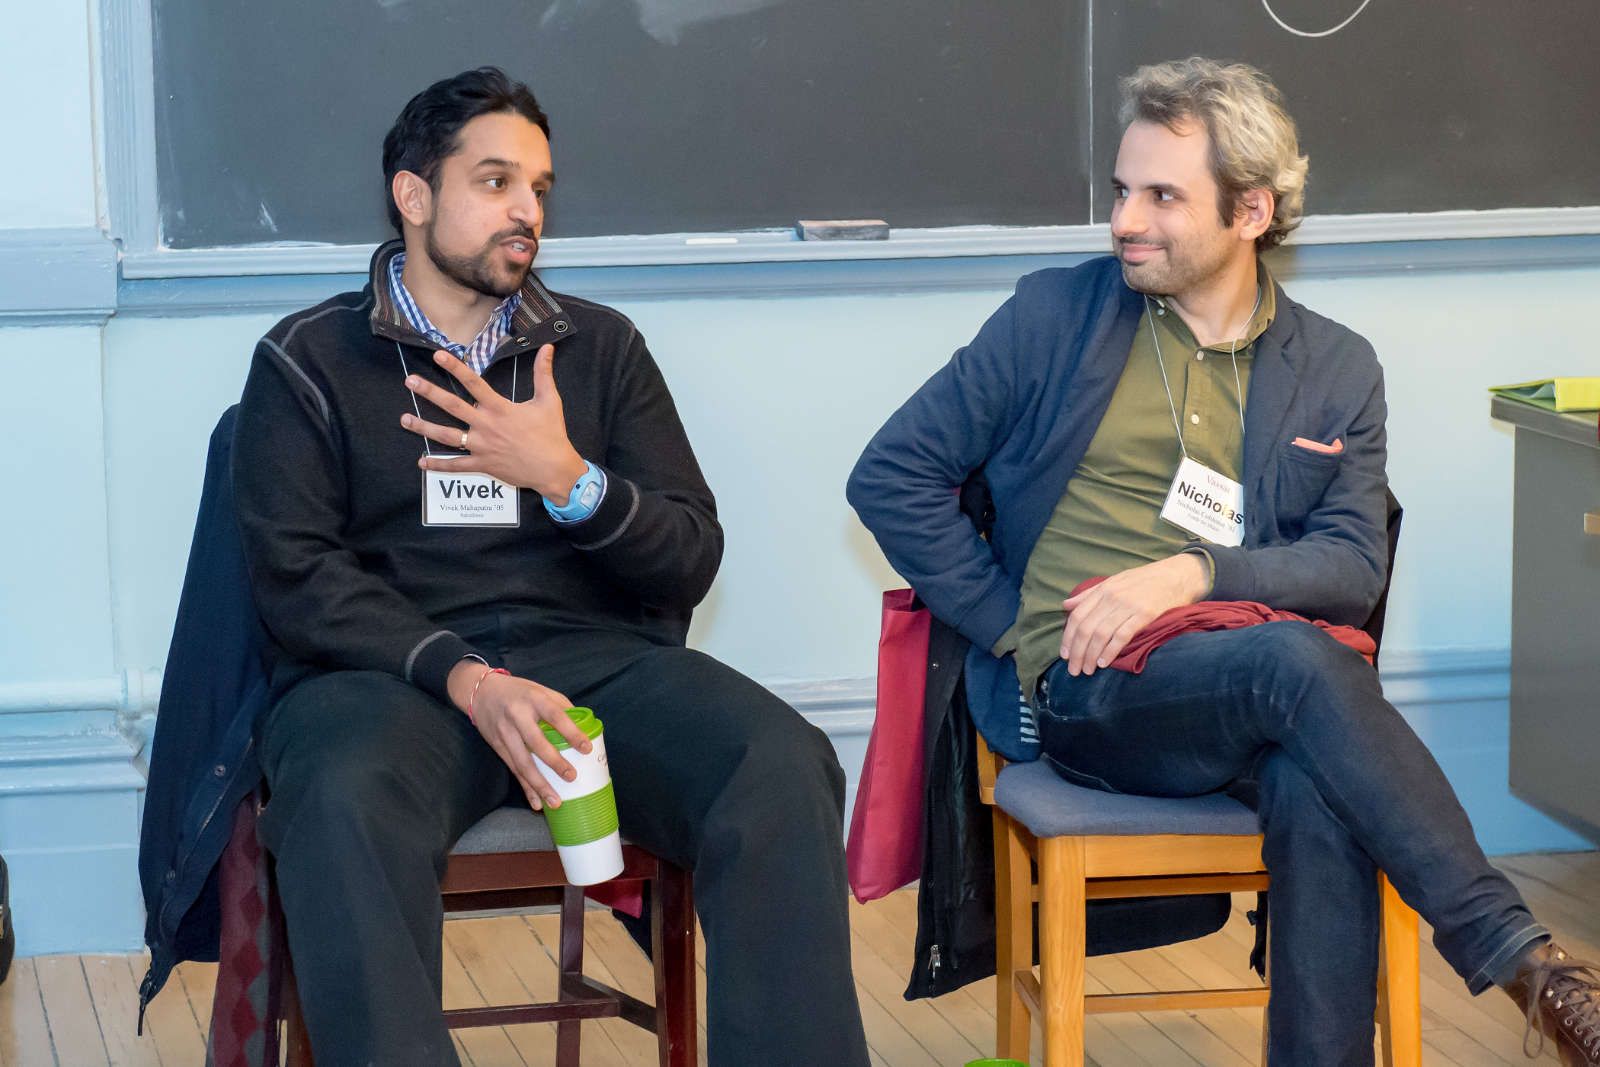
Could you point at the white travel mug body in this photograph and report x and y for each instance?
(585, 824)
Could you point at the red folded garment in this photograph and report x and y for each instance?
(1220, 615)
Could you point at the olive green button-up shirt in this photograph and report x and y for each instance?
(1109, 519)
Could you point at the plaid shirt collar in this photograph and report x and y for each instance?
(477, 355)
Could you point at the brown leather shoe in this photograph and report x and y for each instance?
(1561, 997)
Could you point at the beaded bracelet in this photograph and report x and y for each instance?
(475, 685)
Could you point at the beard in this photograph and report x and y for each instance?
(481, 273)
(1174, 270)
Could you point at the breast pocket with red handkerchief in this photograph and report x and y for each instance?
(1305, 470)
(1317, 446)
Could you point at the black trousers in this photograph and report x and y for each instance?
(372, 781)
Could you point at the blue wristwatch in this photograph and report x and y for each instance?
(587, 492)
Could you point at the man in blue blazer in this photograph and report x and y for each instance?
(1169, 420)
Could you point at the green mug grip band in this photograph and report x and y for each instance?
(584, 819)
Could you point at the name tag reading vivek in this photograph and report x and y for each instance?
(451, 498)
(1206, 504)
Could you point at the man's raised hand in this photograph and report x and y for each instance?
(524, 444)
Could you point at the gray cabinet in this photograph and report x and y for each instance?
(1555, 614)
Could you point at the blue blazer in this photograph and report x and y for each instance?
(203, 759)
(1021, 403)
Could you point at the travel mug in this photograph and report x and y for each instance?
(585, 825)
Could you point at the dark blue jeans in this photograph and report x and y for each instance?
(1345, 789)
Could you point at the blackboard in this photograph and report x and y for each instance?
(1415, 105)
(724, 115)
(666, 115)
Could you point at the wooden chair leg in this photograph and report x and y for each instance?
(1013, 875)
(1400, 981)
(672, 947)
(297, 1042)
(569, 1034)
(1266, 1029)
(1062, 905)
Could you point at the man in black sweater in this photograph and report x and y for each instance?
(468, 503)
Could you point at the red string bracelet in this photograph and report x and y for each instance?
(474, 696)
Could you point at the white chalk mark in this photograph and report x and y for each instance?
(665, 20)
(264, 217)
(1320, 33)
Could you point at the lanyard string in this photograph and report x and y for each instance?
(405, 372)
(1232, 355)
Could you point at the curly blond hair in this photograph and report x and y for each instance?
(1253, 139)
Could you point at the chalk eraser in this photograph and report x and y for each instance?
(842, 230)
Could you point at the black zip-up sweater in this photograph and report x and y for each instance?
(328, 494)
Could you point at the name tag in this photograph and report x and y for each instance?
(1206, 504)
(450, 498)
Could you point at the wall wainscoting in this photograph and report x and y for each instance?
(57, 277)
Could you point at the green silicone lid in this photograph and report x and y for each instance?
(585, 721)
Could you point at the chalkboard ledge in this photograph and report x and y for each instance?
(653, 250)
(55, 277)
(781, 245)
(279, 294)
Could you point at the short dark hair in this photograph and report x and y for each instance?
(427, 131)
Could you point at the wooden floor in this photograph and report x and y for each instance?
(78, 1011)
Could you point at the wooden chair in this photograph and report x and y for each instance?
(1130, 846)
(508, 860)
(1089, 845)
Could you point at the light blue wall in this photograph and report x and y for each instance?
(780, 395)
(1443, 338)
(69, 790)
(57, 570)
(169, 380)
(107, 419)
(47, 82)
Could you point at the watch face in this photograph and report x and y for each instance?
(589, 494)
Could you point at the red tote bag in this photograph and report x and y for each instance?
(884, 851)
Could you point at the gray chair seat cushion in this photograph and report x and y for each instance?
(1050, 806)
(510, 829)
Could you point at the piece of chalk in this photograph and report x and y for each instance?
(842, 230)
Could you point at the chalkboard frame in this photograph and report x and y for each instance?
(128, 108)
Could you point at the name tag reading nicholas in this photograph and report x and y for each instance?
(1206, 504)
(451, 498)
